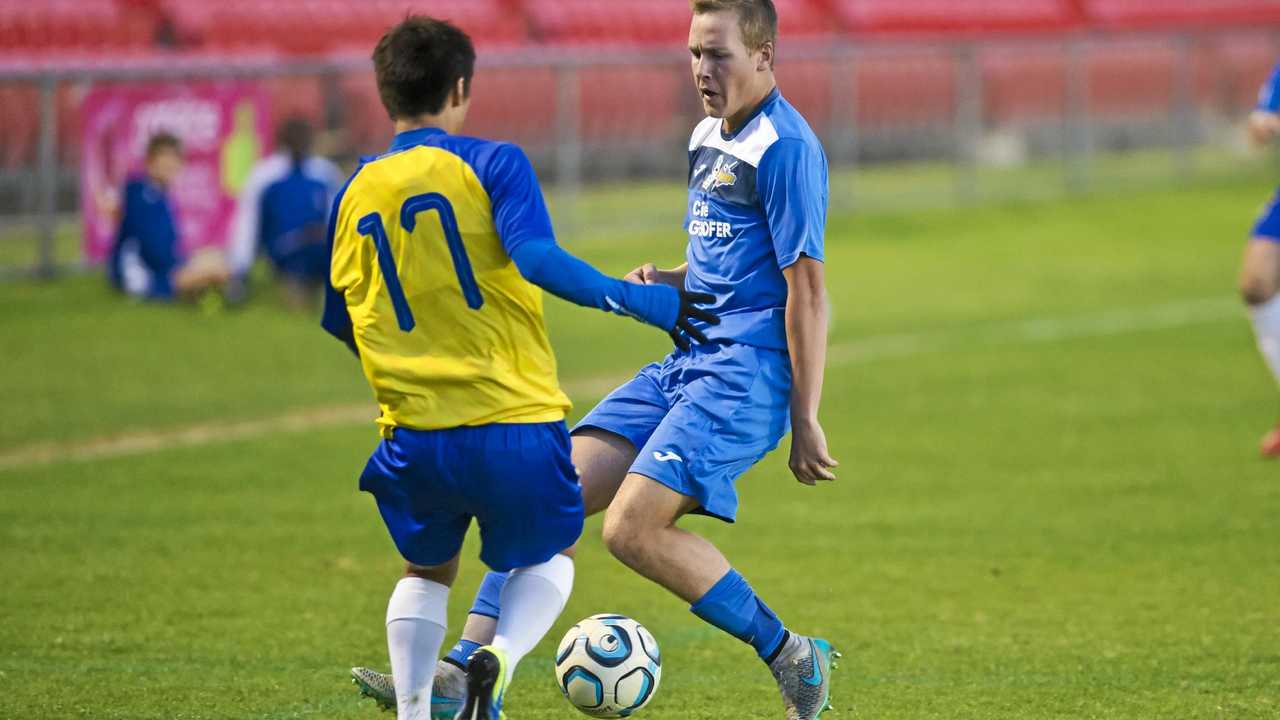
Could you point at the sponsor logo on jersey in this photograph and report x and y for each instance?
(710, 229)
(668, 456)
(722, 175)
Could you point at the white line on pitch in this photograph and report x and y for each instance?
(868, 349)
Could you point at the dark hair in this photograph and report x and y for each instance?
(757, 19)
(419, 62)
(295, 136)
(162, 142)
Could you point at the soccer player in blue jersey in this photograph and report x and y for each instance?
(439, 248)
(673, 440)
(146, 259)
(1260, 272)
(284, 210)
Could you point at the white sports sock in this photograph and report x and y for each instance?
(417, 616)
(531, 601)
(1266, 326)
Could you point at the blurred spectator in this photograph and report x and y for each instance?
(146, 259)
(284, 212)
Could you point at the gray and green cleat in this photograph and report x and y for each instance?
(447, 689)
(803, 672)
(376, 686)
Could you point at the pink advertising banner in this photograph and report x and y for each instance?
(224, 128)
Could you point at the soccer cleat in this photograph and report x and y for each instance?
(486, 684)
(803, 672)
(1270, 446)
(447, 690)
(376, 686)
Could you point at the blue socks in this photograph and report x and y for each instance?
(486, 604)
(732, 606)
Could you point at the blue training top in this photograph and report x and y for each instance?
(284, 210)
(146, 244)
(757, 204)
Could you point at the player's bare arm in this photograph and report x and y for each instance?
(806, 318)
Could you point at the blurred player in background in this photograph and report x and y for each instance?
(283, 211)
(1260, 274)
(674, 440)
(146, 258)
(439, 248)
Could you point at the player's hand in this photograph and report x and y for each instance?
(810, 461)
(646, 274)
(649, 274)
(1263, 126)
(684, 331)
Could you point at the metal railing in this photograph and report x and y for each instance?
(904, 121)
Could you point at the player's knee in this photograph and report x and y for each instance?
(1256, 289)
(443, 574)
(620, 536)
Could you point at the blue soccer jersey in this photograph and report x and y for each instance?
(1267, 225)
(757, 203)
(1269, 96)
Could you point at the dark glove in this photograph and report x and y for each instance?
(684, 330)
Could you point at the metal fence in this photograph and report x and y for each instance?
(905, 122)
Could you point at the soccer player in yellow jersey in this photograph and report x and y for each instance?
(439, 248)
(674, 439)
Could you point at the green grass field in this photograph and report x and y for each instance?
(1050, 504)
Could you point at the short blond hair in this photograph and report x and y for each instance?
(757, 19)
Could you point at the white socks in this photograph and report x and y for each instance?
(531, 601)
(1266, 326)
(416, 622)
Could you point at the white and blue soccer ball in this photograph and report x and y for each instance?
(608, 666)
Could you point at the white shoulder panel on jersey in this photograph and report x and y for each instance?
(749, 145)
(703, 131)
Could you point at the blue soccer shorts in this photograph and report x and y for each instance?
(1267, 226)
(700, 419)
(517, 481)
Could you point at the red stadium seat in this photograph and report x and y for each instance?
(916, 88)
(311, 27)
(608, 118)
(530, 91)
(1131, 78)
(807, 84)
(1021, 84)
(804, 18)
(1241, 64)
(19, 127)
(938, 16)
(1134, 14)
(591, 22)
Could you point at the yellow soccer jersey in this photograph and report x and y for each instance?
(423, 288)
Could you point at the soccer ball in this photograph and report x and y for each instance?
(608, 666)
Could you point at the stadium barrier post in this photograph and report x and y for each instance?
(1185, 121)
(568, 144)
(844, 119)
(47, 183)
(968, 120)
(1077, 141)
